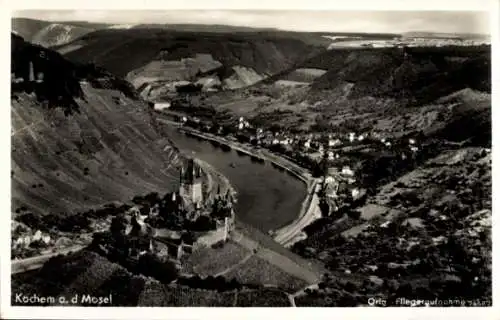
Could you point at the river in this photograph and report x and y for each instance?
(268, 198)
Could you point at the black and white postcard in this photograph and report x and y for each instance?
(280, 157)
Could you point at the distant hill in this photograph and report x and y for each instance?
(417, 75)
(391, 90)
(48, 33)
(469, 118)
(427, 34)
(76, 136)
(161, 58)
(202, 27)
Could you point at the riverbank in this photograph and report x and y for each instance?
(309, 211)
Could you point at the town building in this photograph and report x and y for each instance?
(330, 187)
(37, 236)
(321, 149)
(331, 155)
(161, 105)
(334, 142)
(351, 136)
(347, 171)
(307, 144)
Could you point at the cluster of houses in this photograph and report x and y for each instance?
(308, 142)
(243, 124)
(162, 105)
(27, 240)
(315, 146)
(339, 186)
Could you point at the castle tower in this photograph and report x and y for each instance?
(180, 252)
(229, 196)
(32, 73)
(226, 228)
(191, 183)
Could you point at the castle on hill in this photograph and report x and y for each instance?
(181, 222)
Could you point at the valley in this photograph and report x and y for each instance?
(171, 166)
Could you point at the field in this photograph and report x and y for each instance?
(264, 53)
(252, 262)
(259, 271)
(262, 298)
(311, 270)
(209, 261)
(123, 287)
(158, 295)
(90, 279)
(86, 272)
(83, 270)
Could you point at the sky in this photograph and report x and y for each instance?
(295, 20)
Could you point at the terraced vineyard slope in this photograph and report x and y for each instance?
(82, 147)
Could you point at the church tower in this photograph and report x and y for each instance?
(191, 183)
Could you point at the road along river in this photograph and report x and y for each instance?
(268, 198)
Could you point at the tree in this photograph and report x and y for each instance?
(102, 238)
(456, 253)
(405, 290)
(50, 220)
(174, 221)
(30, 220)
(319, 169)
(354, 214)
(188, 237)
(118, 226)
(74, 223)
(278, 148)
(339, 240)
(164, 271)
(152, 198)
(324, 207)
(203, 223)
(234, 284)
